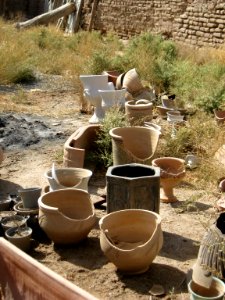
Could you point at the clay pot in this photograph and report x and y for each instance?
(153, 125)
(66, 215)
(172, 171)
(133, 144)
(91, 85)
(131, 239)
(21, 210)
(13, 221)
(219, 116)
(30, 196)
(20, 237)
(69, 178)
(174, 116)
(119, 81)
(112, 76)
(79, 144)
(168, 103)
(132, 82)
(215, 292)
(139, 111)
(162, 110)
(211, 253)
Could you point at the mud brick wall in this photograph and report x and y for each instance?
(196, 22)
(203, 24)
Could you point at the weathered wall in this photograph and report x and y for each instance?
(196, 22)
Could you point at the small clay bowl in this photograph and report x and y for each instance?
(19, 208)
(13, 221)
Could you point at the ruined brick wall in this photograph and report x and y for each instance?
(196, 22)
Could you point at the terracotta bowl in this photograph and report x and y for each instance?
(66, 215)
(69, 178)
(131, 239)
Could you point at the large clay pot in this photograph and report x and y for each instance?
(172, 171)
(79, 144)
(133, 144)
(91, 85)
(215, 292)
(66, 215)
(69, 178)
(132, 82)
(131, 239)
(139, 111)
(133, 186)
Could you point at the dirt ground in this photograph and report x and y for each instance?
(56, 114)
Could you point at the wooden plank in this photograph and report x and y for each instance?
(48, 17)
(79, 6)
(93, 12)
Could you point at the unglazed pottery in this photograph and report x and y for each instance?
(133, 144)
(69, 178)
(66, 215)
(172, 171)
(138, 111)
(153, 125)
(134, 186)
(79, 144)
(23, 277)
(20, 237)
(112, 76)
(131, 239)
(30, 196)
(91, 85)
(219, 116)
(132, 82)
(20, 210)
(13, 221)
(215, 292)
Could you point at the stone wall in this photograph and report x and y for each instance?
(196, 22)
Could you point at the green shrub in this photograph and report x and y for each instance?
(113, 118)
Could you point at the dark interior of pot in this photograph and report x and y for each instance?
(133, 171)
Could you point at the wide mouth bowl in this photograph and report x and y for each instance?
(216, 291)
(169, 166)
(18, 232)
(13, 221)
(128, 229)
(69, 177)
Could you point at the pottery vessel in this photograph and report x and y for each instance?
(168, 103)
(211, 252)
(133, 144)
(66, 215)
(132, 82)
(30, 196)
(13, 221)
(69, 178)
(91, 85)
(219, 116)
(131, 239)
(112, 76)
(20, 237)
(174, 116)
(139, 111)
(215, 292)
(153, 125)
(18, 278)
(114, 98)
(79, 144)
(21, 210)
(134, 186)
(172, 171)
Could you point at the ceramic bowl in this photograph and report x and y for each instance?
(13, 221)
(131, 239)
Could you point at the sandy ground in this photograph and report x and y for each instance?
(84, 264)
